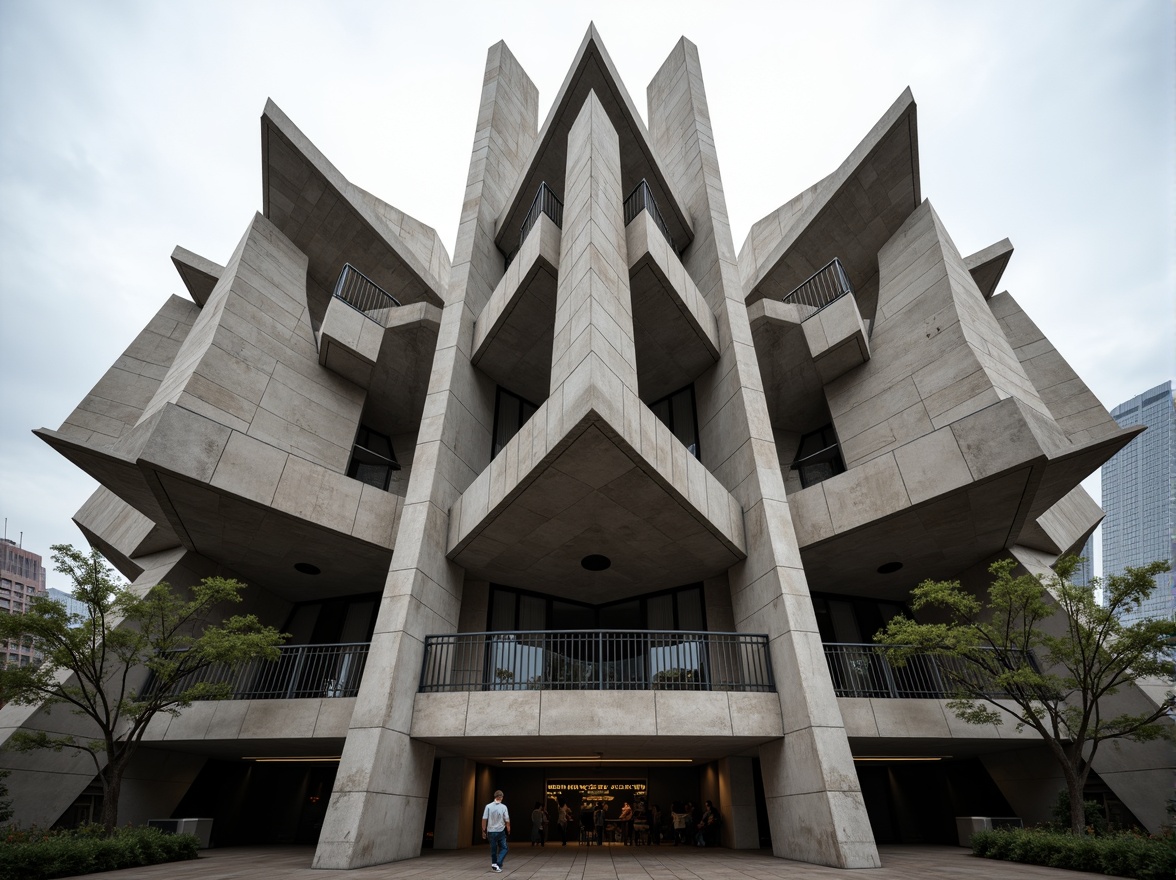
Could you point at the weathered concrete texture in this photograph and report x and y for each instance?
(593, 71)
(116, 403)
(673, 327)
(121, 532)
(513, 334)
(769, 592)
(1071, 403)
(939, 355)
(198, 273)
(383, 779)
(333, 221)
(850, 214)
(1065, 527)
(250, 362)
(988, 265)
(594, 471)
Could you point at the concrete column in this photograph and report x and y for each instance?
(593, 344)
(453, 826)
(815, 804)
(737, 803)
(377, 809)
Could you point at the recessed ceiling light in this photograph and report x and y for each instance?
(307, 568)
(595, 562)
(889, 567)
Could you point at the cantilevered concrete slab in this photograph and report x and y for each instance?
(850, 214)
(594, 472)
(701, 726)
(988, 265)
(335, 222)
(675, 331)
(593, 71)
(943, 502)
(513, 334)
(200, 275)
(387, 353)
(800, 352)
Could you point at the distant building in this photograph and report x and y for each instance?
(1084, 573)
(1139, 496)
(21, 578)
(72, 605)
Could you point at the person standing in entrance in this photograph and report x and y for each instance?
(495, 828)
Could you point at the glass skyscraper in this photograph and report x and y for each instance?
(1138, 496)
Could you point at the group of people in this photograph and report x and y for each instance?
(692, 827)
(637, 824)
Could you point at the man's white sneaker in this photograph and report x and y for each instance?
(496, 869)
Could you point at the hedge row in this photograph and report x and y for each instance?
(33, 855)
(1123, 855)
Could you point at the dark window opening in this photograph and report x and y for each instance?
(853, 619)
(680, 608)
(511, 412)
(819, 457)
(372, 459)
(678, 413)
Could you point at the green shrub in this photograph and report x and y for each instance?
(36, 854)
(1121, 855)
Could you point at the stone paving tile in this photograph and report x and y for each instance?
(594, 863)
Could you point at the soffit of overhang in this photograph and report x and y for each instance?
(850, 214)
(593, 70)
(333, 221)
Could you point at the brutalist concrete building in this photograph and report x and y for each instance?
(595, 508)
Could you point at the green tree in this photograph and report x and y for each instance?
(95, 663)
(1044, 651)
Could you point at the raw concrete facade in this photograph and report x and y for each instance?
(595, 410)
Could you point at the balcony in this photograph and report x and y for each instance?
(826, 285)
(641, 199)
(863, 670)
(545, 202)
(301, 671)
(596, 660)
(363, 294)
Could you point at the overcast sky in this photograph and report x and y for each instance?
(128, 128)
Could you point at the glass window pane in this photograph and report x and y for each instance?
(532, 612)
(659, 611)
(502, 610)
(690, 613)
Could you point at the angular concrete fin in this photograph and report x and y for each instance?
(198, 273)
(593, 70)
(288, 156)
(988, 265)
(878, 181)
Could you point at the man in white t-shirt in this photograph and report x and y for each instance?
(495, 828)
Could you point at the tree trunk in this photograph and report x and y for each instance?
(1077, 804)
(111, 783)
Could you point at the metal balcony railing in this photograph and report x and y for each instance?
(641, 199)
(545, 202)
(361, 293)
(596, 660)
(827, 284)
(300, 671)
(863, 670)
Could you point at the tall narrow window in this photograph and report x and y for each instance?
(819, 457)
(677, 413)
(372, 459)
(511, 412)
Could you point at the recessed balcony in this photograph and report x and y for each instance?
(300, 672)
(864, 670)
(586, 660)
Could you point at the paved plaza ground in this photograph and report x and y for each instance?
(595, 863)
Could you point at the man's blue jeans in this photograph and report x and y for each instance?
(497, 847)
